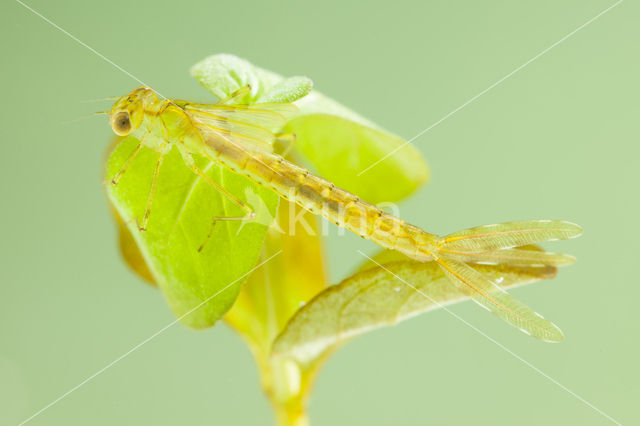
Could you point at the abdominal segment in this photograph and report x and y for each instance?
(323, 198)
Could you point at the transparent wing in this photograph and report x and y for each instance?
(513, 257)
(270, 116)
(285, 110)
(249, 126)
(497, 301)
(510, 234)
(250, 137)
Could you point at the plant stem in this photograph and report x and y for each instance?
(290, 414)
(286, 386)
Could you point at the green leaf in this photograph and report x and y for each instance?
(374, 298)
(131, 252)
(341, 149)
(339, 142)
(200, 287)
(223, 74)
(288, 90)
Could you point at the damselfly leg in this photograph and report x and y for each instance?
(250, 214)
(142, 226)
(125, 166)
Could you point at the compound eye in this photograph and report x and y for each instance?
(121, 123)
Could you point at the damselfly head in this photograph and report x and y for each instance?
(127, 112)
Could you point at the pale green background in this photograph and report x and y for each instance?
(559, 139)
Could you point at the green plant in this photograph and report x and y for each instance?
(285, 310)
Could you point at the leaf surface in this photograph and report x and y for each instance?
(340, 149)
(200, 287)
(376, 297)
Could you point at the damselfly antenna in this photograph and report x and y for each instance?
(84, 117)
(108, 98)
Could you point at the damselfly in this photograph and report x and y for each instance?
(242, 136)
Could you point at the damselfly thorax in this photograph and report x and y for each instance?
(241, 137)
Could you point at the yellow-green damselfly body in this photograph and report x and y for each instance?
(241, 138)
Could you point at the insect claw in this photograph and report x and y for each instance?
(141, 228)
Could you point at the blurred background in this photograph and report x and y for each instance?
(558, 140)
